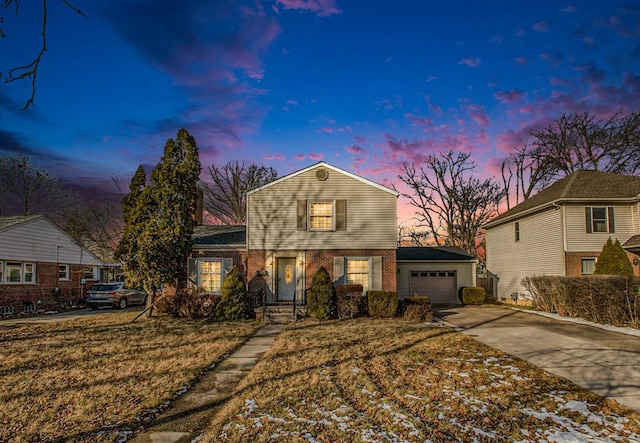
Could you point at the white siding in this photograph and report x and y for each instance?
(578, 240)
(465, 273)
(540, 250)
(40, 241)
(272, 214)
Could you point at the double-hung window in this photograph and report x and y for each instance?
(210, 275)
(599, 219)
(588, 265)
(516, 228)
(63, 272)
(17, 272)
(321, 215)
(358, 272)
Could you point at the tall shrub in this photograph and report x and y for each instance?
(321, 296)
(613, 260)
(233, 297)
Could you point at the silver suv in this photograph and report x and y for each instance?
(115, 295)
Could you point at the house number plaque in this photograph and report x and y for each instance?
(288, 274)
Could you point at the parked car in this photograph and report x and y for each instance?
(115, 295)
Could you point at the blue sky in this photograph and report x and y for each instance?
(363, 85)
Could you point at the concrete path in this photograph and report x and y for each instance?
(190, 414)
(605, 362)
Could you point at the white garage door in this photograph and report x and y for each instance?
(439, 286)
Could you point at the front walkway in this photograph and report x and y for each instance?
(190, 414)
(603, 361)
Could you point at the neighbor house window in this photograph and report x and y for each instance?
(63, 272)
(358, 272)
(599, 219)
(516, 227)
(210, 273)
(17, 272)
(90, 273)
(588, 265)
(321, 215)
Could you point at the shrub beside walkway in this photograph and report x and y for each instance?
(191, 413)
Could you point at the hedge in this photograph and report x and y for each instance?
(417, 308)
(382, 304)
(473, 295)
(351, 302)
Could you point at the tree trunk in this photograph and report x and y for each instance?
(151, 299)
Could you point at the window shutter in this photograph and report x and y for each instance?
(338, 271)
(302, 215)
(587, 216)
(376, 274)
(192, 273)
(341, 215)
(227, 264)
(612, 223)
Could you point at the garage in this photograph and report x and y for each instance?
(438, 272)
(439, 286)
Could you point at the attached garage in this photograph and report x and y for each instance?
(437, 272)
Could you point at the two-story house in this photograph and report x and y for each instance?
(562, 229)
(323, 216)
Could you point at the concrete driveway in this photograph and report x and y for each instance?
(605, 362)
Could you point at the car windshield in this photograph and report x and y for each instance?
(104, 287)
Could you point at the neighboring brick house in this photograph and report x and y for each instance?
(320, 216)
(562, 229)
(36, 256)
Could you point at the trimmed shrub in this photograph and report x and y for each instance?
(190, 303)
(233, 303)
(321, 296)
(382, 304)
(350, 301)
(418, 309)
(613, 260)
(473, 295)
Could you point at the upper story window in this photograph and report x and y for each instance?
(63, 272)
(321, 215)
(17, 272)
(516, 228)
(599, 219)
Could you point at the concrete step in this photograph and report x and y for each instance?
(282, 314)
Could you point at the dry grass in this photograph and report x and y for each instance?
(377, 381)
(91, 379)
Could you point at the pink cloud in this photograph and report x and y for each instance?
(555, 58)
(508, 97)
(316, 157)
(540, 26)
(327, 130)
(274, 157)
(471, 62)
(355, 150)
(292, 102)
(322, 8)
(299, 157)
(521, 61)
(360, 139)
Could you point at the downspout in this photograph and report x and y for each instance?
(563, 221)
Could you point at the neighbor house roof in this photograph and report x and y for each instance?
(632, 243)
(9, 222)
(220, 236)
(328, 166)
(433, 253)
(591, 186)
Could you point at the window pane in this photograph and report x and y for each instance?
(599, 216)
(28, 273)
(14, 272)
(588, 265)
(211, 275)
(358, 273)
(321, 215)
(63, 272)
(89, 273)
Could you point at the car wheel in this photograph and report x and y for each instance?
(122, 303)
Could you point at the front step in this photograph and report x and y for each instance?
(280, 314)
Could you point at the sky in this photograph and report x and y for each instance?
(362, 85)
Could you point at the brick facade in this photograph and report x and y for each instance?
(573, 262)
(24, 298)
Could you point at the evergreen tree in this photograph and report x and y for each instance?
(233, 299)
(613, 260)
(159, 219)
(321, 303)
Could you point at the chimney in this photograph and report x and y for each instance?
(199, 207)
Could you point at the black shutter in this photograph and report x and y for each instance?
(192, 273)
(341, 215)
(587, 216)
(612, 223)
(302, 215)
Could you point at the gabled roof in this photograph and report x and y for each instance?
(328, 166)
(220, 236)
(632, 243)
(581, 186)
(10, 222)
(433, 253)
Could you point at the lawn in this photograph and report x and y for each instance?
(391, 381)
(90, 379)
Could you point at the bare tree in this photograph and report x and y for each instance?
(27, 189)
(451, 204)
(571, 143)
(30, 69)
(225, 190)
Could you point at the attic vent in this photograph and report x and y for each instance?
(322, 174)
